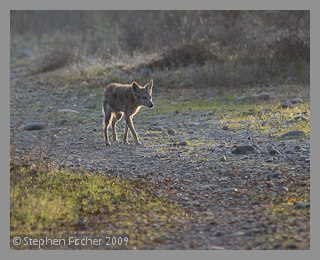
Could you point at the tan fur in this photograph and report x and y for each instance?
(124, 99)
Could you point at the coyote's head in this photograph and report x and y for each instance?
(143, 94)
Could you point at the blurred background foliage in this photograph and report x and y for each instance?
(218, 48)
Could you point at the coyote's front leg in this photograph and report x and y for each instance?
(129, 124)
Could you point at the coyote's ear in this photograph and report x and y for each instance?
(150, 85)
(135, 87)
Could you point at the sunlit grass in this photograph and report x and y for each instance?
(280, 209)
(254, 116)
(53, 201)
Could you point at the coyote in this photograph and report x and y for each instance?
(126, 99)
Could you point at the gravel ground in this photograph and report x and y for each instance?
(223, 177)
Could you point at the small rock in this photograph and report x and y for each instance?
(291, 246)
(68, 111)
(196, 203)
(223, 159)
(216, 248)
(289, 152)
(129, 165)
(206, 113)
(182, 143)
(156, 128)
(229, 190)
(84, 83)
(302, 206)
(272, 94)
(244, 149)
(272, 175)
(301, 118)
(297, 148)
(270, 147)
(264, 96)
(274, 151)
(294, 133)
(276, 246)
(242, 98)
(204, 124)
(63, 122)
(187, 83)
(296, 100)
(302, 158)
(225, 127)
(208, 186)
(286, 104)
(34, 126)
(284, 189)
(80, 223)
(148, 150)
(219, 234)
(171, 131)
(254, 96)
(290, 79)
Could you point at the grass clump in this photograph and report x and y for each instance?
(283, 210)
(48, 202)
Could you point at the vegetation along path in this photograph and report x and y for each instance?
(212, 172)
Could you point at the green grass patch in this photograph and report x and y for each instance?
(266, 117)
(288, 225)
(283, 212)
(47, 202)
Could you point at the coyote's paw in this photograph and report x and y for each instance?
(108, 144)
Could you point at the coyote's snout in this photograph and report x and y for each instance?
(122, 99)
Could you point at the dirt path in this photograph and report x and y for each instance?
(229, 197)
